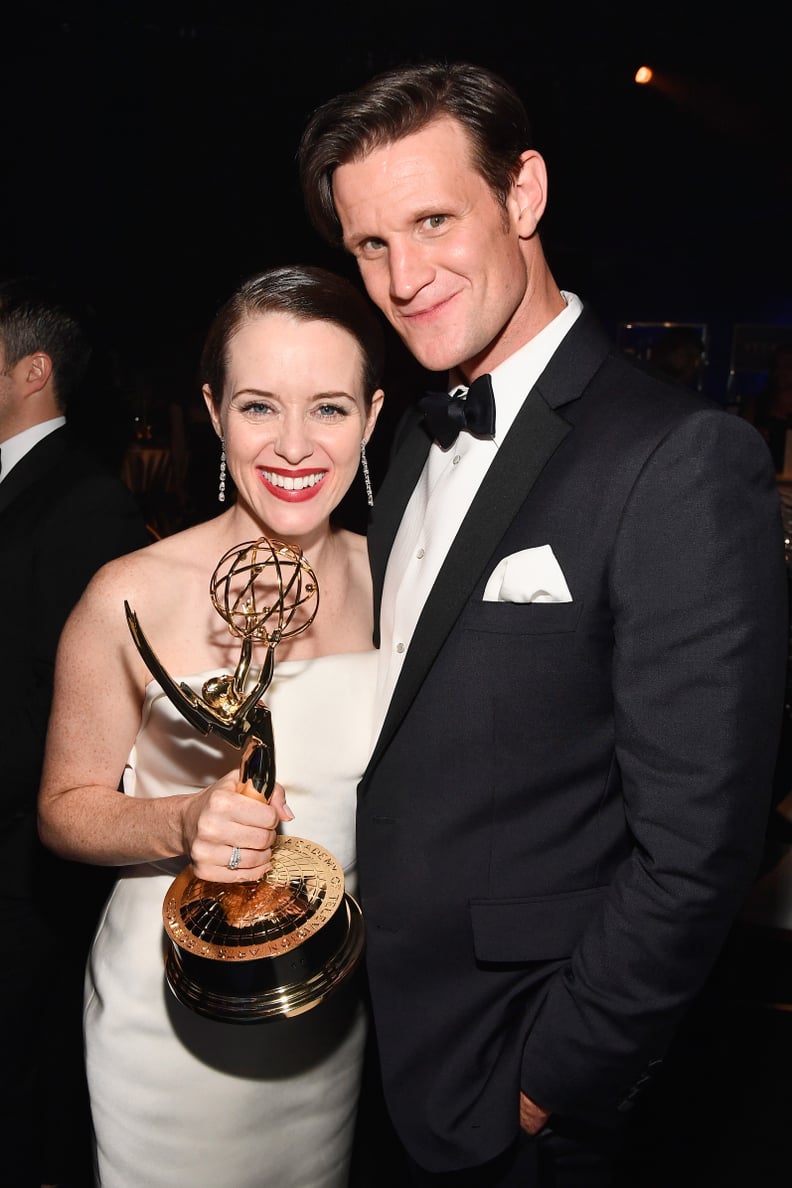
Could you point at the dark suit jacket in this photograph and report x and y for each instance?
(567, 801)
(62, 516)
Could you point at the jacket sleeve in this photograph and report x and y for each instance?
(94, 522)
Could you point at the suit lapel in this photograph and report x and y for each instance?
(535, 435)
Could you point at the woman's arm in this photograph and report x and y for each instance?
(99, 691)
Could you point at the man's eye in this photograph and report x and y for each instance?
(371, 245)
(434, 221)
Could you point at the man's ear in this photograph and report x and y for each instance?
(528, 196)
(35, 371)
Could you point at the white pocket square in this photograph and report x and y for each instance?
(532, 575)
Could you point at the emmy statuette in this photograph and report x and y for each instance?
(248, 952)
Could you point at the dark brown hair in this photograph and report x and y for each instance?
(37, 315)
(305, 292)
(400, 102)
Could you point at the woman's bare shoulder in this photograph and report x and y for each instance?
(155, 573)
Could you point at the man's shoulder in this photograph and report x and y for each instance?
(81, 470)
(73, 491)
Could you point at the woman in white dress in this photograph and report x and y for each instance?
(292, 367)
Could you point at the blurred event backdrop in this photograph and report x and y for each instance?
(148, 157)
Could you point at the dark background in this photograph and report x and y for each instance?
(147, 158)
(147, 154)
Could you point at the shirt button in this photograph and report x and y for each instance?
(400, 648)
(456, 460)
(420, 553)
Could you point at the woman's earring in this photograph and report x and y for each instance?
(221, 491)
(366, 475)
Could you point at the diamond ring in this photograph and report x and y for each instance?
(235, 859)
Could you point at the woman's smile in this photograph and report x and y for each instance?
(293, 486)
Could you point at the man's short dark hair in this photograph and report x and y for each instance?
(37, 315)
(402, 101)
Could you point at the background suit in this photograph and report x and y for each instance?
(61, 517)
(556, 785)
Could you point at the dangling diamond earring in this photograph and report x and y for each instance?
(221, 491)
(366, 475)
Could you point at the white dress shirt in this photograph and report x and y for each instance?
(22, 443)
(442, 498)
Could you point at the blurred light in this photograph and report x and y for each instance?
(643, 75)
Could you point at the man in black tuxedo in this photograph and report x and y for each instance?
(62, 516)
(582, 611)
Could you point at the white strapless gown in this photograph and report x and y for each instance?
(181, 1101)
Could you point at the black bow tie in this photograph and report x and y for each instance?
(446, 416)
